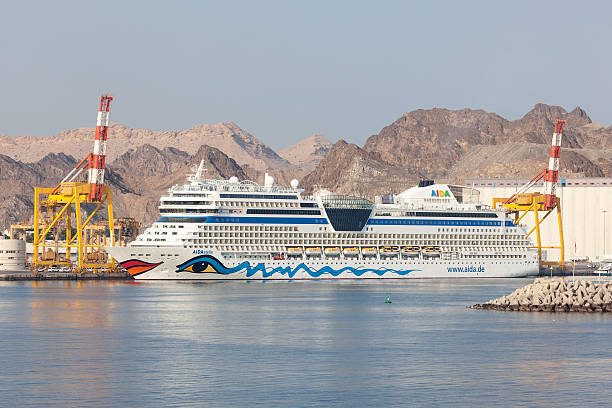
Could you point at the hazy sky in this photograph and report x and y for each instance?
(286, 70)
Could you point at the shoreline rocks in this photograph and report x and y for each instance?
(555, 295)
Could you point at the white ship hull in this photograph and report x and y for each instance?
(200, 264)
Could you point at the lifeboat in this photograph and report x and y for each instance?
(313, 251)
(351, 251)
(411, 250)
(331, 251)
(431, 250)
(368, 251)
(389, 250)
(294, 251)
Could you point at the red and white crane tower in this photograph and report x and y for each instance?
(58, 207)
(552, 174)
(95, 162)
(523, 202)
(98, 158)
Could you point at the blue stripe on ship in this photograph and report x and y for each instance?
(467, 223)
(372, 221)
(245, 220)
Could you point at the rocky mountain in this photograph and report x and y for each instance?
(444, 144)
(349, 169)
(307, 153)
(148, 161)
(228, 137)
(17, 180)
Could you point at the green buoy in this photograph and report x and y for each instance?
(388, 299)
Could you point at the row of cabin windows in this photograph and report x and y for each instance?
(447, 237)
(283, 212)
(309, 241)
(434, 214)
(165, 202)
(189, 211)
(473, 239)
(238, 227)
(366, 240)
(255, 204)
(260, 196)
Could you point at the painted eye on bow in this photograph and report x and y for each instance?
(199, 267)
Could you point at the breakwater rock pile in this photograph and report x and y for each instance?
(555, 295)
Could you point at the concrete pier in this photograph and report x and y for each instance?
(556, 295)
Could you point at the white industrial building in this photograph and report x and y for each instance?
(586, 206)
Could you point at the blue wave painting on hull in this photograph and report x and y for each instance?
(210, 264)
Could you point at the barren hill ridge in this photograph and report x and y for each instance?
(228, 137)
(307, 153)
(438, 142)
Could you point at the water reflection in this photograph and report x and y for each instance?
(307, 343)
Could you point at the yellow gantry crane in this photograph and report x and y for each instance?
(56, 208)
(534, 203)
(64, 205)
(521, 203)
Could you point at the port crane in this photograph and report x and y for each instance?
(56, 207)
(521, 203)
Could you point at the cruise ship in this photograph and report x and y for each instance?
(231, 229)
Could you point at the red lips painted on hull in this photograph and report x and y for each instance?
(136, 266)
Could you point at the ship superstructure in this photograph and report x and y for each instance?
(231, 229)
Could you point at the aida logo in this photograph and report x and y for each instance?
(440, 193)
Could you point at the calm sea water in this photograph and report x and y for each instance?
(294, 344)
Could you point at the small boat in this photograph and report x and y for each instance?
(331, 251)
(294, 251)
(313, 251)
(389, 250)
(351, 251)
(368, 251)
